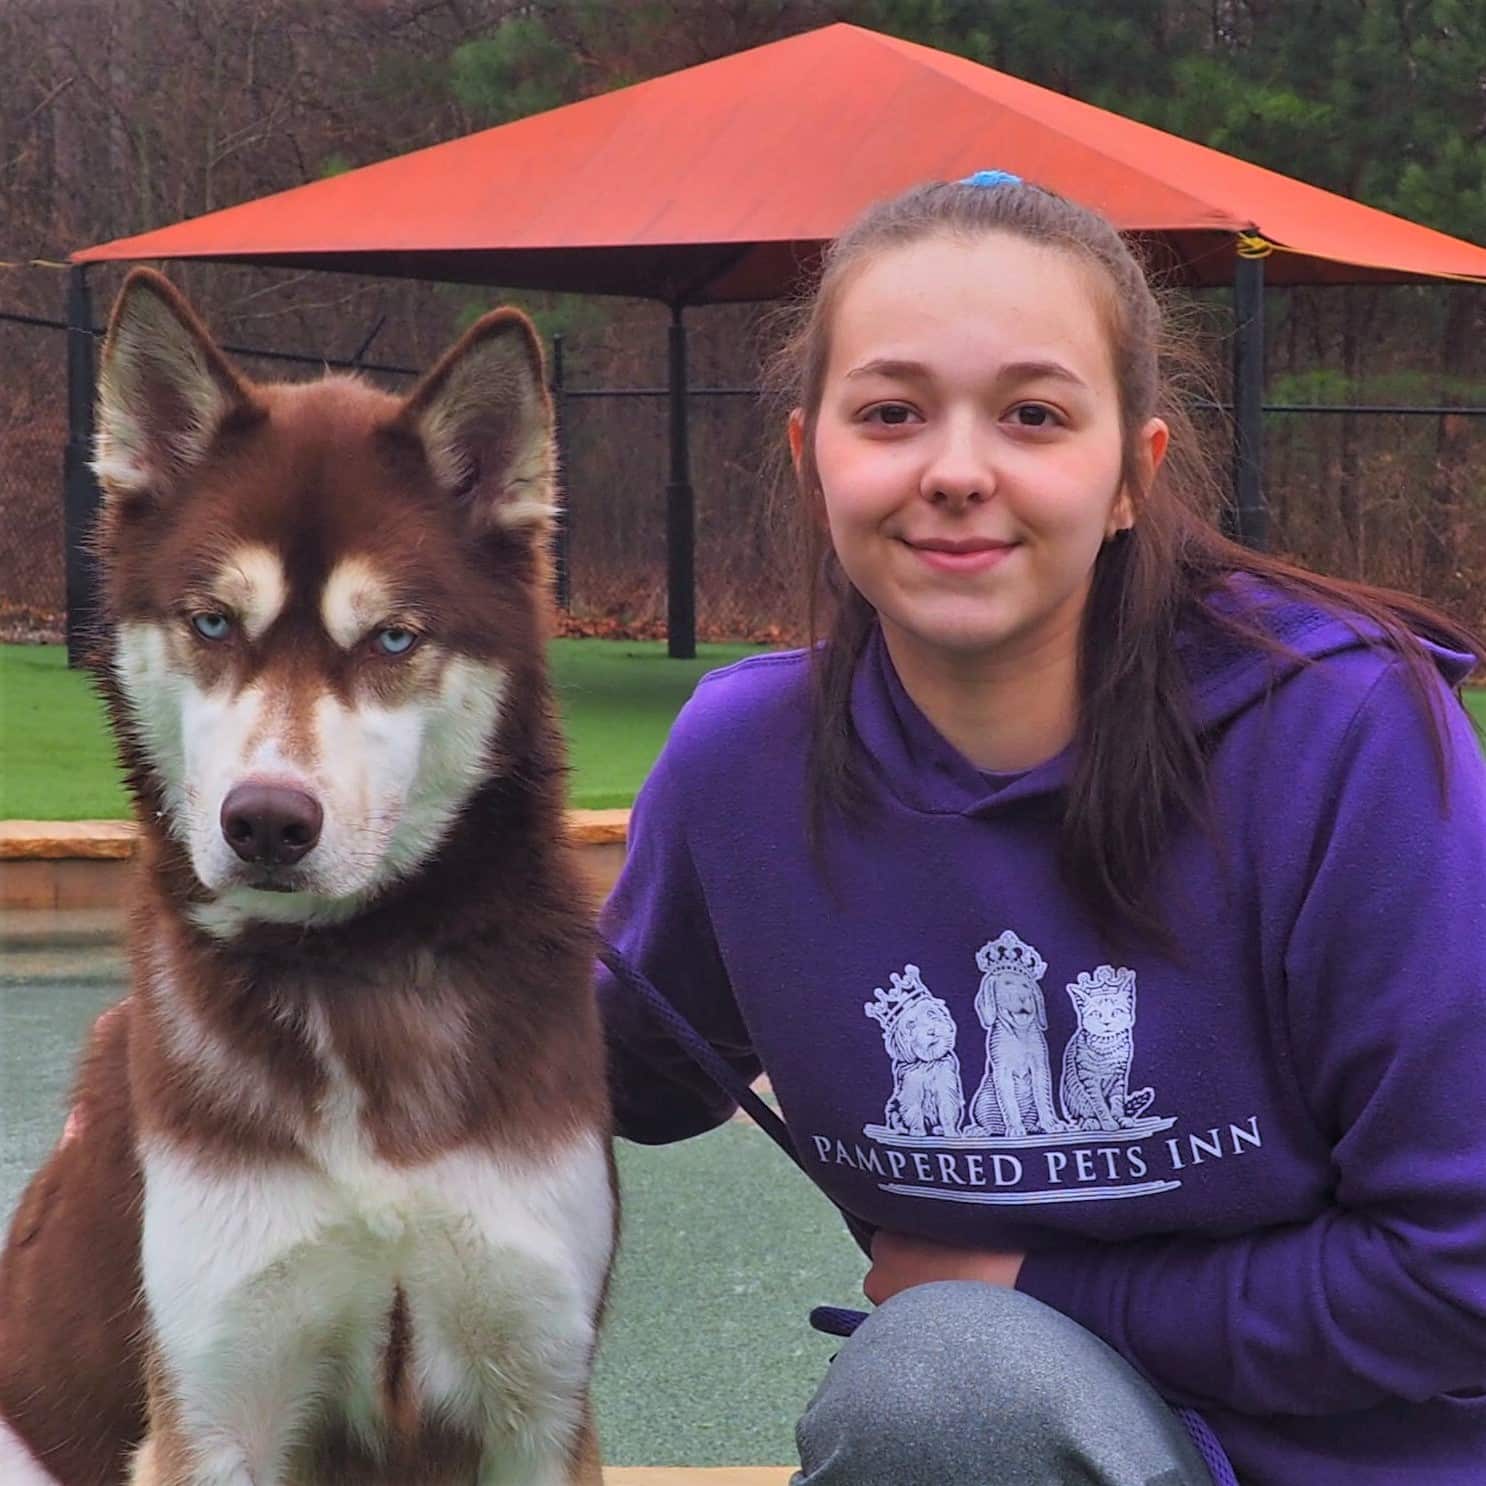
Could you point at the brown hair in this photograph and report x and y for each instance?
(1139, 756)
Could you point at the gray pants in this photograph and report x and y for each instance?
(963, 1384)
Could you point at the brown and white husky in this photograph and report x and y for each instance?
(335, 1202)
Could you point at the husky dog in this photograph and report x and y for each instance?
(335, 1202)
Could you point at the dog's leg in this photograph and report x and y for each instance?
(145, 1469)
(148, 1472)
(506, 1330)
(168, 1457)
(225, 1437)
(587, 1468)
(246, 1351)
(163, 1461)
(550, 1451)
(579, 1465)
(160, 1462)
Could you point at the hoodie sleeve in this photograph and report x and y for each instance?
(1384, 1294)
(657, 917)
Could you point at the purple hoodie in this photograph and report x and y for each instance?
(1256, 1167)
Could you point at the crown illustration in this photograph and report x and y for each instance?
(1011, 954)
(1103, 982)
(887, 1006)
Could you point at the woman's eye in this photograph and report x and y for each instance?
(890, 414)
(1035, 415)
(211, 626)
(394, 640)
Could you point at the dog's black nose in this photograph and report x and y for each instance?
(270, 825)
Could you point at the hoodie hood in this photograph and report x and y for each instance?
(1227, 677)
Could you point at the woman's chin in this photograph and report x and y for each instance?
(954, 636)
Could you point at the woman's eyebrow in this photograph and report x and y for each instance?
(1031, 371)
(891, 367)
(1013, 371)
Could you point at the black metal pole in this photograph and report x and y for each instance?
(80, 495)
(563, 547)
(681, 620)
(1250, 513)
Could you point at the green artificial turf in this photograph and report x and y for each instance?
(618, 700)
(56, 762)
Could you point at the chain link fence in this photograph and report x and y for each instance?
(33, 433)
(1388, 496)
(615, 450)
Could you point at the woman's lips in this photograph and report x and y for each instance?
(961, 556)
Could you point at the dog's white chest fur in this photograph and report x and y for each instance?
(272, 1291)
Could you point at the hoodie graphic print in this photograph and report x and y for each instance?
(1087, 1126)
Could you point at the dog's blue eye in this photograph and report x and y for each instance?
(395, 641)
(212, 626)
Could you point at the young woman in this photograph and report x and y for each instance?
(1105, 902)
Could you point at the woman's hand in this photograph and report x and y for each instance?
(899, 1262)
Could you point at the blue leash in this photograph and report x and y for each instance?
(832, 1320)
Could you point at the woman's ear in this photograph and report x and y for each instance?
(1152, 441)
(1155, 436)
(797, 437)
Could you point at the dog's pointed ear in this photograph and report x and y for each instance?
(164, 390)
(484, 419)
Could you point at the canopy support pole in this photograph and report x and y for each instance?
(681, 621)
(1249, 516)
(80, 495)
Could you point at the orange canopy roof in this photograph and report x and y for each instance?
(718, 182)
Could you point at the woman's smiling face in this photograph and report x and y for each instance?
(968, 443)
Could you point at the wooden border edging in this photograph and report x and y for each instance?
(728, 1475)
(82, 864)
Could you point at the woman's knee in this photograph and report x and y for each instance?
(941, 1349)
(952, 1380)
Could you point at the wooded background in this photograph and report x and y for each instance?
(123, 115)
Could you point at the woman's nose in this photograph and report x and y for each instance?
(959, 472)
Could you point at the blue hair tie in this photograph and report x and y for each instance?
(989, 178)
